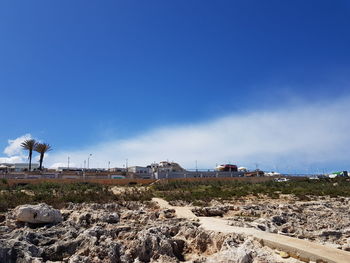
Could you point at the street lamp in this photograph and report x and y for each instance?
(88, 162)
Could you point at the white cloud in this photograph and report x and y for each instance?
(300, 136)
(16, 154)
(14, 151)
(12, 159)
(14, 147)
(56, 165)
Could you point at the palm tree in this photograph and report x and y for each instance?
(30, 146)
(42, 148)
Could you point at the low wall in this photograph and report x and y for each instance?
(199, 174)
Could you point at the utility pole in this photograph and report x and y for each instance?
(126, 167)
(68, 162)
(88, 162)
(109, 164)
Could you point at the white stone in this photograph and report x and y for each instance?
(37, 214)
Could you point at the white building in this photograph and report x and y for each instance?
(138, 170)
(166, 167)
(19, 167)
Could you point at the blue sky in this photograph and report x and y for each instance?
(82, 73)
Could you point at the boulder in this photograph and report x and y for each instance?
(37, 214)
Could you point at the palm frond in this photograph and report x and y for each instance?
(29, 144)
(43, 147)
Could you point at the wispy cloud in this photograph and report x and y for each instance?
(293, 137)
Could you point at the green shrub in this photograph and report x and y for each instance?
(4, 181)
(198, 192)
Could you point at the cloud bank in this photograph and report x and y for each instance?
(293, 138)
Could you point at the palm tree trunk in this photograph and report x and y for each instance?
(30, 161)
(41, 161)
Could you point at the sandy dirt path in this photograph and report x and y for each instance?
(180, 211)
(296, 247)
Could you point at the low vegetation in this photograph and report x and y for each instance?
(192, 191)
(58, 194)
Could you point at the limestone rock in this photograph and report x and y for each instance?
(244, 253)
(211, 211)
(135, 232)
(167, 213)
(111, 218)
(37, 214)
(264, 225)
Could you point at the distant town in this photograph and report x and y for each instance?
(161, 170)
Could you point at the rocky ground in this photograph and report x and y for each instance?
(322, 219)
(138, 232)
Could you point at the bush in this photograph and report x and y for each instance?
(4, 181)
(11, 200)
